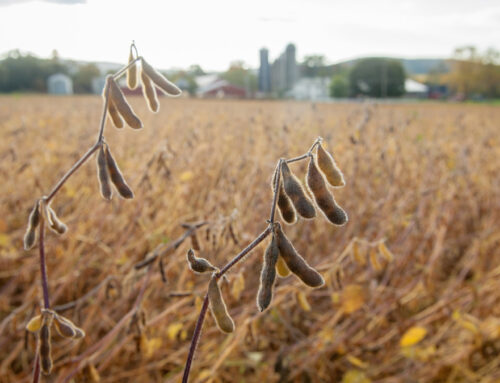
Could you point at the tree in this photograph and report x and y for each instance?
(82, 80)
(339, 86)
(377, 77)
(315, 65)
(474, 73)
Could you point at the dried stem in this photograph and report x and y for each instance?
(203, 311)
(43, 266)
(122, 71)
(277, 178)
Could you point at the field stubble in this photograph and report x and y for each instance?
(424, 177)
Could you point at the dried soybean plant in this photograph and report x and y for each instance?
(42, 215)
(280, 256)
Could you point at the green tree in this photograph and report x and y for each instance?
(339, 86)
(21, 73)
(377, 77)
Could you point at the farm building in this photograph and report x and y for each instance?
(317, 88)
(415, 89)
(59, 83)
(222, 89)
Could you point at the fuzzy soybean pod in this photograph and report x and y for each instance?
(33, 222)
(103, 175)
(45, 348)
(197, 264)
(159, 80)
(116, 176)
(328, 166)
(218, 307)
(55, 224)
(324, 199)
(115, 117)
(296, 193)
(66, 328)
(285, 207)
(132, 72)
(268, 275)
(295, 262)
(123, 107)
(149, 92)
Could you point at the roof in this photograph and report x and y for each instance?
(412, 86)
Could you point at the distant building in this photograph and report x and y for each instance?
(415, 89)
(316, 88)
(222, 89)
(284, 71)
(264, 72)
(97, 84)
(59, 83)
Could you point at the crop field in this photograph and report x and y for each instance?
(412, 290)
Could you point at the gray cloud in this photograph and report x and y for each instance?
(67, 2)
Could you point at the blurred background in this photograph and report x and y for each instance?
(321, 50)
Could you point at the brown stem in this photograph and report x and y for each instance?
(124, 69)
(203, 311)
(194, 340)
(73, 169)
(36, 369)
(277, 175)
(43, 266)
(104, 112)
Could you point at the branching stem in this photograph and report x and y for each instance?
(240, 256)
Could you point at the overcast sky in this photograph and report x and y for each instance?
(213, 33)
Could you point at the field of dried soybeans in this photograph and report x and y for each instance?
(423, 177)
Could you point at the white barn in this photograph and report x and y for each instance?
(59, 83)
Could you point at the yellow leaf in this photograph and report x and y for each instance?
(34, 324)
(353, 297)
(204, 374)
(282, 268)
(356, 361)
(356, 254)
(327, 334)
(94, 374)
(173, 329)
(238, 286)
(412, 336)
(355, 376)
(302, 299)
(4, 240)
(335, 298)
(186, 176)
(377, 266)
(151, 346)
(385, 252)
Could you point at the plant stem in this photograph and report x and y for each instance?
(244, 252)
(194, 340)
(277, 175)
(36, 369)
(104, 112)
(73, 169)
(203, 311)
(125, 68)
(43, 266)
